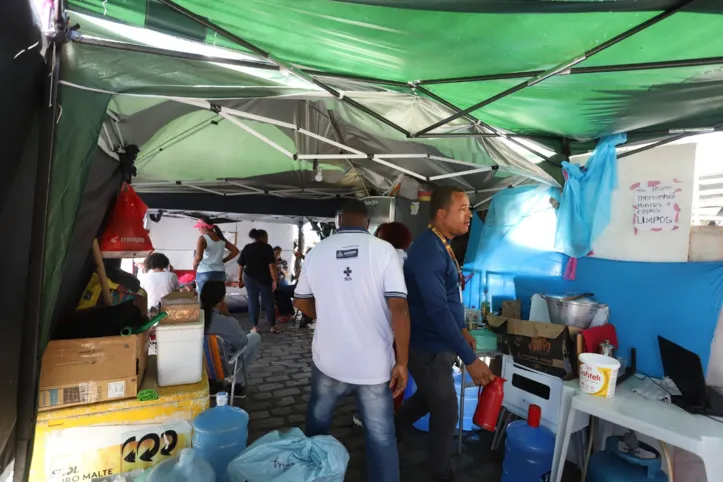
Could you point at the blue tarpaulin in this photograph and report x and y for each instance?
(516, 238)
(679, 301)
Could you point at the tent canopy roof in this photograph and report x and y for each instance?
(615, 75)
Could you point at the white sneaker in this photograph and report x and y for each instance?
(357, 421)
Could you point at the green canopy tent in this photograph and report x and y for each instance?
(264, 97)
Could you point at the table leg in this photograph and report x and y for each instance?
(557, 477)
(498, 428)
(461, 410)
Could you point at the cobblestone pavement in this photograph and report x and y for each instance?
(279, 390)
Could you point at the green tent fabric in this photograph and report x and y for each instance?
(405, 41)
(80, 121)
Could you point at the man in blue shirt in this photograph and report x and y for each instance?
(438, 331)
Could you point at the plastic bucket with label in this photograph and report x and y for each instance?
(598, 374)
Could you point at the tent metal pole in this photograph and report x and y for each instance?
(514, 184)
(337, 132)
(281, 64)
(112, 44)
(601, 69)
(311, 157)
(668, 140)
(227, 113)
(245, 186)
(461, 173)
(561, 68)
(257, 134)
(470, 117)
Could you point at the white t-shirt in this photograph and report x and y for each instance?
(159, 284)
(350, 275)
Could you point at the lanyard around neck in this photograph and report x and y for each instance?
(450, 252)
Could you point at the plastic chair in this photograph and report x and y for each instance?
(222, 366)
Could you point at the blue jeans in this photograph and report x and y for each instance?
(254, 289)
(376, 407)
(202, 278)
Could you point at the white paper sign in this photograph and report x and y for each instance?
(655, 205)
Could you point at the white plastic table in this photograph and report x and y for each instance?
(662, 421)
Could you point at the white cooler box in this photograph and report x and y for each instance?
(180, 353)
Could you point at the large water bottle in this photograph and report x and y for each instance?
(528, 450)
(220, 434)
(187, 467)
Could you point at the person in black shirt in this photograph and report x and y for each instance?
(258, 273)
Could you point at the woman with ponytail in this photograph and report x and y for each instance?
(258, 273)
(218, 321)
(210, 256)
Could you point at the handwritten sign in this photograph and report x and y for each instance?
(655, 205)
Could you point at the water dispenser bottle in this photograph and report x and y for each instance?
(220, 434)
(528, 450)
(187, 467)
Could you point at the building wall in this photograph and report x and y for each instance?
(176, 238)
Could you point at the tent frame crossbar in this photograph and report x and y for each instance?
(560, 69)
(299, 73)
(680, 135)
(231, 115)
(477, 122)
(310, 75)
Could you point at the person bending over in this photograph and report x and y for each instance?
(439, 333)
(218, 321)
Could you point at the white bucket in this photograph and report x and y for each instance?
(598, 374)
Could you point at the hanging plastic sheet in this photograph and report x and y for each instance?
(585, 206)
(516, 238)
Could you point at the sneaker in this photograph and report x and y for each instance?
(240, 392)
(357, 421)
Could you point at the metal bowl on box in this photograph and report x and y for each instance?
(571, 309)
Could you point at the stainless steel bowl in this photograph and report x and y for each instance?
(577, 312)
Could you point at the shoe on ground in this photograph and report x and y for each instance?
(240, 391)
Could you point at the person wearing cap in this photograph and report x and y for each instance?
(210, 256)
(353, 285)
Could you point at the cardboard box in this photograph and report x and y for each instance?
(90, 370)
(181, 307)
(545, 347)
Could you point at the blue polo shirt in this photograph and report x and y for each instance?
(433, 293)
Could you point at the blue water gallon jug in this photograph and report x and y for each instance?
(220, 434)
(613, 465)
(528, 450)
(187, 467)
(471, 396)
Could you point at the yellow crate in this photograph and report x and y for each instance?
(90, 442)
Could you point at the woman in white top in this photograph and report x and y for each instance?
(210, 257)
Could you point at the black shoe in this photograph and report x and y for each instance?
(240, 391)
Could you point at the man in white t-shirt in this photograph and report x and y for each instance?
(353, 285)
(159, 282)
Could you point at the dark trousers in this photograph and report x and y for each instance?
(435, 395)
(283, 296)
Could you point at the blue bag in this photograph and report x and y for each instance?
(290, 457)
(585, 206)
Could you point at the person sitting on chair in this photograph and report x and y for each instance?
(218, 321)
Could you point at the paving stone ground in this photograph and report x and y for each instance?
(278, 393)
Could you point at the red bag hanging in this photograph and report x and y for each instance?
(125, 236)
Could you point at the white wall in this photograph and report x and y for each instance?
(706, 243)
(619, 241)
(176, 238)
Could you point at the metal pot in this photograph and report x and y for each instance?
(572, 310)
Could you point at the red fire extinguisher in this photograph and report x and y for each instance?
(489, 404)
